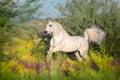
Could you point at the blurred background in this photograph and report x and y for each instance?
(23, 48)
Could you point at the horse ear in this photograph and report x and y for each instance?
(50, 21)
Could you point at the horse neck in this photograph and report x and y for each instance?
(60, 31)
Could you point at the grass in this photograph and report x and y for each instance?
(26, 64)
(59, 68)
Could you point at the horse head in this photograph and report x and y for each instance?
(49, 28)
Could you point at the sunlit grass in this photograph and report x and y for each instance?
(28, 63)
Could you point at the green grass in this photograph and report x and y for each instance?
(61, 67)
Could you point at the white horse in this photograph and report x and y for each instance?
(62, 41)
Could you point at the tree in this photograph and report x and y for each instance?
(79, 14)
(18, 9)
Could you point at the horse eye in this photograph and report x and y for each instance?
(50, 25)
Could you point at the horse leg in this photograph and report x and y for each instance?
(78, 56)
(84, 54)
(49, 54)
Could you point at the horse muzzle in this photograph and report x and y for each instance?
(45, 32)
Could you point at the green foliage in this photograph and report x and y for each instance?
(2, 42)
(10, 10)
(17, 9)
(62, 67)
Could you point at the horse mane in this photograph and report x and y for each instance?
(59, 28)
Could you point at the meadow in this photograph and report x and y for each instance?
(24, 59)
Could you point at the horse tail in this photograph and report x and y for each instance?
(94, 34)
